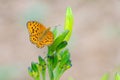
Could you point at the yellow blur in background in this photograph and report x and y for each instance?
(94, 46)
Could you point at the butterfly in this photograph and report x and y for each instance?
(39, 34)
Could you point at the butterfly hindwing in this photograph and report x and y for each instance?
(46, 39)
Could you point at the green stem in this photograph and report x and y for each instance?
(56, 71)
(49, 66)
(43, 74)
(37, 78)
(60, 74)
(50, 72)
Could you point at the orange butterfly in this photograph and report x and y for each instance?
(39, 34)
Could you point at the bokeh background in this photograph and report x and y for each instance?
(94, 45)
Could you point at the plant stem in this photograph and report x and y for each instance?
(37, 78)
(43, 75)
(59, 75)
(50, 72)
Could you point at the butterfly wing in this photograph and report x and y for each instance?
(35, 27)
(35, 30)
(39, 35)
(35, 38)
(46, 39)
(49, 38)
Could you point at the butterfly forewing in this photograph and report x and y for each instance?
(35, 27)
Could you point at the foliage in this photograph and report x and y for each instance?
(57, 59)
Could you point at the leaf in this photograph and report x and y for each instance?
(68, 23)
(105, 77)
(117, 76)
(34, 67)
(41, 61)
(57, 41)
(33, 71)
(55, 32)
(68, 64)
(65, 57)
(62, 45)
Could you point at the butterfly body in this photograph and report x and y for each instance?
(39, 34)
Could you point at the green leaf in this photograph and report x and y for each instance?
(62, 45)
(61, 68)
(34, 67)
(65, 57)
(33, 71)
(41, 61)
(117, 76)
(42, 64)
(67, 65)
(30, 71)
(55, 32)
(57, 41)
(68, 23)
(55, 61)
(105, 77)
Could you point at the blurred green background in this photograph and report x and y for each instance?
(94, 46)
